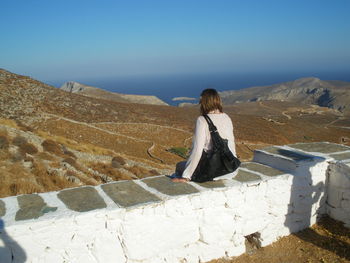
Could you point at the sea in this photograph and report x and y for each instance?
(167, 87)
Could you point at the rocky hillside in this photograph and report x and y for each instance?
(331, 94)
(75, 87)
(51, 139)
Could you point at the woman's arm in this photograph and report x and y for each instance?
(197, 148)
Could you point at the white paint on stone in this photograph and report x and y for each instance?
(197, 227)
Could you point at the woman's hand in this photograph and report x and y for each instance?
(180, 180)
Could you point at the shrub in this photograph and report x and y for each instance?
(18, 156)
(139, 171)
(69, 160)
(24, 127)
(19, 140)
(108, 170)
(45, 156)
(4, 142)
(154, 172)
(180, 151)
(118, 162)
(70, 154)
(52, 147)
(67, 152)
(28, 148)
(72, 162)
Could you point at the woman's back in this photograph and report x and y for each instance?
(224, 126)
(202, 139)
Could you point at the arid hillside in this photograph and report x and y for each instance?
(51, 139)
(331, 94)
(75, 87)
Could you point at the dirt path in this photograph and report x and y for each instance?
(271, 108)
(338, 119)
(286, 115)
(97, 128)
(143, 123)
(149, 152)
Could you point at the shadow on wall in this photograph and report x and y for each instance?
(10, 251)
(308, 204)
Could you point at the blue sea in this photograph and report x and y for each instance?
(191, 85)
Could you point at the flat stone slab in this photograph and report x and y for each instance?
(82, 199)
(321, 147)
(2, 208)
(265, 170)
(244, 176)
(295, 156)
(127, 193)
(341, 156)
(32, 206)
(213, 184)
(166, 186)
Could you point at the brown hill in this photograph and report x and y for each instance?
(75, 87)
(332, 94)
(51, 139)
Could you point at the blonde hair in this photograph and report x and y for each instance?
(210, 101)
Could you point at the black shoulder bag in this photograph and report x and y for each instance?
(218, 161)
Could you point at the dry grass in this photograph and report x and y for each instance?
(5, 155)
(78, 146)
(9, 123)
(3, 132)
(52, 147)
(118, 161)
(45, 156)
(28, 148)
(108, 170)
(24, 127)
(141, 172)
(16, 180)
(47, 182)
(69, 153)
(4, 142)
(17, 156)
(73, 163)
(19, 140)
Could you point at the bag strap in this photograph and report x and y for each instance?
(216, 139)
(212, 127)
(219, 144)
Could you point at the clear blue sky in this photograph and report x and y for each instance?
(57, 40)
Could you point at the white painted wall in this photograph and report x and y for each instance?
(338, 202)
(189, 228)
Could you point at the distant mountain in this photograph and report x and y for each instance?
(331, 93)
(75, 87)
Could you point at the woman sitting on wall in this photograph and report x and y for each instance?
(211, 105)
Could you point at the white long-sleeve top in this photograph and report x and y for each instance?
(202, 140)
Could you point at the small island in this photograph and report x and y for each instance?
(183, 98)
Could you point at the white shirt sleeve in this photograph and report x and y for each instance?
(231, 139)
(199, 140)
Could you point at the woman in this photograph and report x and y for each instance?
(210, 104)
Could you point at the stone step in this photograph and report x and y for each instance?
(285, 159)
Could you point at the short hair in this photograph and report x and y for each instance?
(209, 101)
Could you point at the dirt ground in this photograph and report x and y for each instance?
(326, 242)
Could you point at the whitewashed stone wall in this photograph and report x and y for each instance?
(154, 220)
(338, 201)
